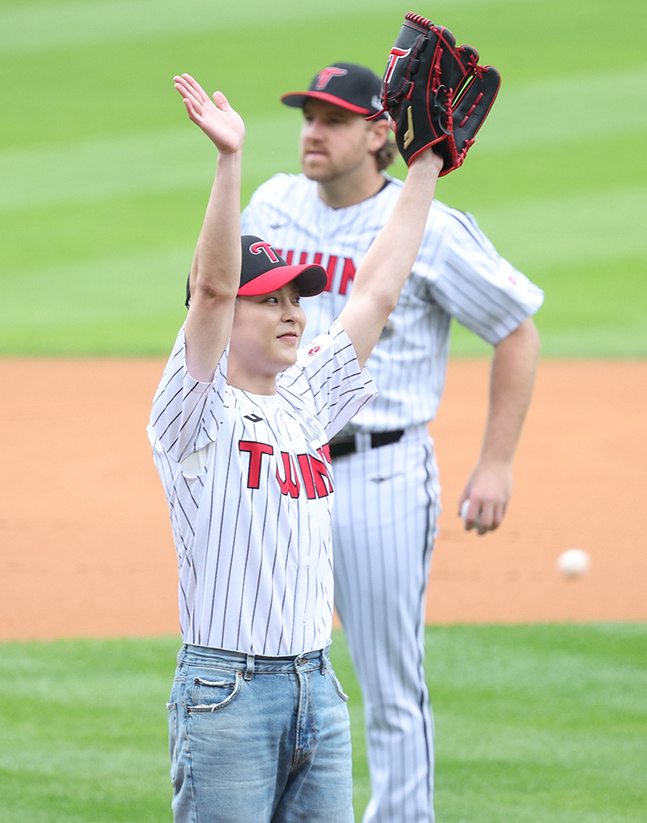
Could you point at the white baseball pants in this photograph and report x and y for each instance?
(384, 525)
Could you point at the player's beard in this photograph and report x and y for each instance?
(318, 168)
(324, 170)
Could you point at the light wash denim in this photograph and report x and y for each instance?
(258, 739)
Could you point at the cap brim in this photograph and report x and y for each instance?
(297, 99)
(310, 280)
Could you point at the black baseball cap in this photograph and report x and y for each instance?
(263, 270)
(353, 87)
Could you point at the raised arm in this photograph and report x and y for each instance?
(215, 272)
(387, 264)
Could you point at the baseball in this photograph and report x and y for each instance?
(464, 509)
(574, 563)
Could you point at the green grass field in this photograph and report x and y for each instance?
(534, 724)
(104, 180)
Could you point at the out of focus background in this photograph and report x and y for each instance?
(537, 681)
(104, 180)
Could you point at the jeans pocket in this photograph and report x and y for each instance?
(333, 677)
(213, 695)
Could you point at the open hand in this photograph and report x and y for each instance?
(216, 118)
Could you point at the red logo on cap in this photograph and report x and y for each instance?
(257, 248)
(395, 55)
(326, 75)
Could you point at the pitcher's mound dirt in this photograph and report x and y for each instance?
(85, 542)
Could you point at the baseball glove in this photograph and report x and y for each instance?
(436, 93)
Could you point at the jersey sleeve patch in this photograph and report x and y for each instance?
(339, 387)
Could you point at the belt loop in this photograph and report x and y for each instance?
(249, 671)
(323, 663)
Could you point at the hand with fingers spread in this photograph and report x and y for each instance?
(217, 119)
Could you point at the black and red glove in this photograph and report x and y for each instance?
(436, 93)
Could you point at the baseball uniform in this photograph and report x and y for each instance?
(249, 488)
(387, 501)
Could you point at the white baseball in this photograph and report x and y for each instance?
(574, 563)
(464, 510)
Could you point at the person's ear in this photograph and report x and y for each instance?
(379, 134)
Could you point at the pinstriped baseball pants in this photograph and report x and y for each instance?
(384, 525)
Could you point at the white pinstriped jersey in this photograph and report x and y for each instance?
(458, 274)
(249, 487)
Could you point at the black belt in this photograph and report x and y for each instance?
(341, 446)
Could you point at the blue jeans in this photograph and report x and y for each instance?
(258, 739)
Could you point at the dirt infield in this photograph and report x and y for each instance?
(85, 542)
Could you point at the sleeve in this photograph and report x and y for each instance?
(469, 279)
(186, 413)
(338, 386)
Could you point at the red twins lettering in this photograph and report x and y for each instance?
(314, 474)
(289, 483)
(256, 452)
(318, 472)
(337, 281)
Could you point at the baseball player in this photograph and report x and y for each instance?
(387, 489)
(258, 724)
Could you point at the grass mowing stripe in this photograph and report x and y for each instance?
(533, 723)
(536, 713)
(39, 26)
(123, 305)
(559, 110)
(115, 173)
(88, 741)
(103, 288)
(164, 159)
(591, 226)
(104, 167)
